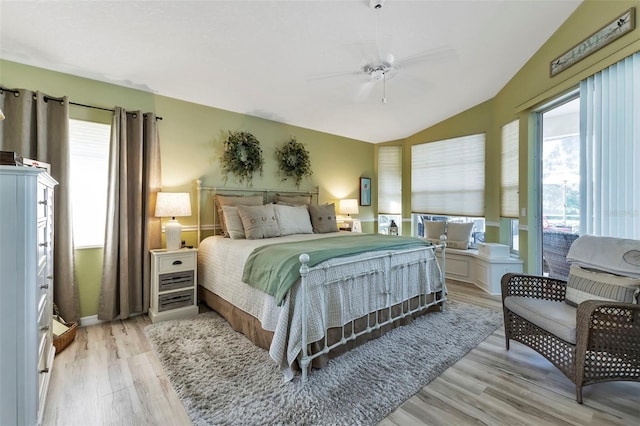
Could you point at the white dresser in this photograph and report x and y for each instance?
(26, 293)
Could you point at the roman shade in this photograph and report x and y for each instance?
(447, 176)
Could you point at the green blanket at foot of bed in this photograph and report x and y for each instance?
(274, 268)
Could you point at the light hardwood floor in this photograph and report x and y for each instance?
(111, 376)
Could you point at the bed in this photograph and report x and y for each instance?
(307, 306)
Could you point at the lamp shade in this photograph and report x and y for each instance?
(173, 204)
(348, 206)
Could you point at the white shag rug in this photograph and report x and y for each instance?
(222, 378)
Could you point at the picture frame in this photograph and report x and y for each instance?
(365, 191)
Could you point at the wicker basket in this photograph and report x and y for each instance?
(62, 341)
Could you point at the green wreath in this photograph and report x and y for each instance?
(293, 161)
(242, 156)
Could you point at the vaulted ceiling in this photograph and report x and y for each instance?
(323, 65)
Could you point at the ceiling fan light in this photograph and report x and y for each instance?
(377, 74)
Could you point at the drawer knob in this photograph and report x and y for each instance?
(177, 262)
(43, 244)
(44, 370)
(44, 286)
(44, 328)
(43, 202)
(49, 277)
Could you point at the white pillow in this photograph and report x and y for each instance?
(293, 219)
(459, 235)
(433, 229)
(232, 220)
(259, 221)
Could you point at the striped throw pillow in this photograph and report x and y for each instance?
(586, 284)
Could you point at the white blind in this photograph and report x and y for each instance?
(390, 180)
(447, 177)
(89, 146)
(509, 181)
(609, 137)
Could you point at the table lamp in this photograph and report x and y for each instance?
(348, 206)
(173, 204)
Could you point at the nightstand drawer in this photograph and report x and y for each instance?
(177, 262)
(175, 280)
(175, 300)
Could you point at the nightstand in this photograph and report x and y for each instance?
(173, 284)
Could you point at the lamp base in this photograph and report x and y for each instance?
(172, 232)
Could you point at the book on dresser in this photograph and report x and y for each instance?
(26, 293)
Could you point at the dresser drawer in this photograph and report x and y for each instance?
(177, 262)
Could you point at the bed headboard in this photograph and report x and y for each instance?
(207, 194)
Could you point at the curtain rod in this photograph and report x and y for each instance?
(51, 98)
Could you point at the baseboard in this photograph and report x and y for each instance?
(90, 320)
(93, 319)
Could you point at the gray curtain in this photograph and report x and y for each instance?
(131, 228)
(37, 127)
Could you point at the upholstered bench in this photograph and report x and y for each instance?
(587, 326)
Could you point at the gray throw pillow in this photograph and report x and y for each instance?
(234, 200)
(259, 221)
(323, 218)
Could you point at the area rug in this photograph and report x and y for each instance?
(222, 378)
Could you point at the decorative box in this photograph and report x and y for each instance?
(494, 250)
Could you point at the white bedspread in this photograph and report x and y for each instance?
(220, 268)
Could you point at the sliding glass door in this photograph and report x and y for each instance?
(559, 182)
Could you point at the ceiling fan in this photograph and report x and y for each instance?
(385, 67)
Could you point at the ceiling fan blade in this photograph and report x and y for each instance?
(437, 55)
(364, 91)
(331, 75)
(366, 52)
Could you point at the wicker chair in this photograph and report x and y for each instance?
(555, 246)
(606, 343)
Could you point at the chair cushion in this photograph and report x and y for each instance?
(586, 284)
(558, 318)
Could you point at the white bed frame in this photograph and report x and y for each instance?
(391, 286)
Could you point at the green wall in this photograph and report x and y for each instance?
(191, 135)
(191, 138)
(530, 88)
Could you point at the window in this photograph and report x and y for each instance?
(447, 177)
(390, 179)
(89, 144)
(389, 188)
(509, 180)
(384, 222)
